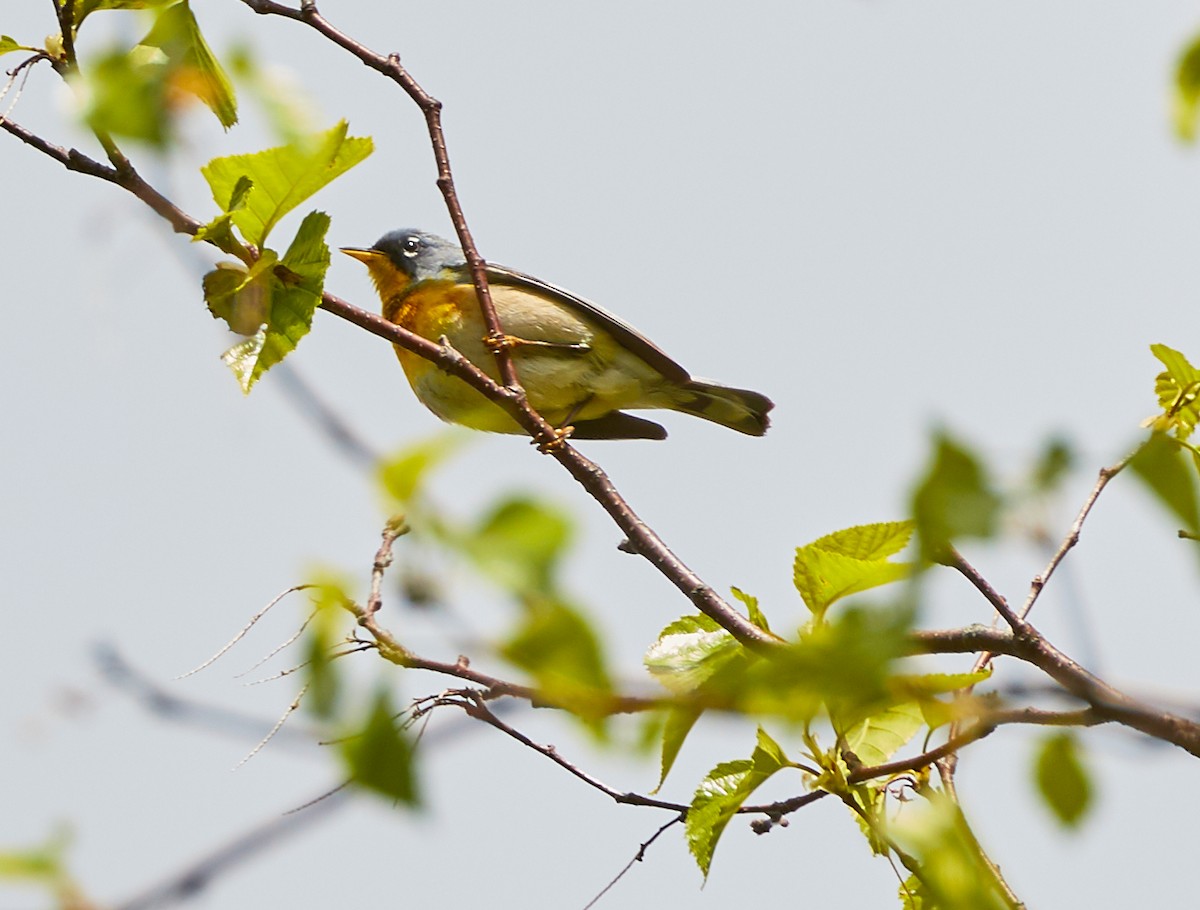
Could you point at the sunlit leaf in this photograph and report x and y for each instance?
(8, 45)
(678, 724)
(1178, 391)
(1062, 779)
(689, 652)
(380, 757)
(725, 788)
(1163, 466)
(849, 562)
(954, 499)
(283, 177)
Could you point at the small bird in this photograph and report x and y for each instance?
(580, 365)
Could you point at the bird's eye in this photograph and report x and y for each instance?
(412, 246)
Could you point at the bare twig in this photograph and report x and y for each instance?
(637, 858)
(1072, 536)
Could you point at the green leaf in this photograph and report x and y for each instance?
(849, 562)
(558, 646)
(380, 758)
(723, 791)
(680, 721)
(690, 651)
(8, 45)
(1186, 96)
(876, 738)
(1178, 393)
(520, 544)
(193, 67)
(954, 499)
(751, 604)
(1162, 465)
(1062, 779)
(283, 177)
(288, 293)
(403, 475)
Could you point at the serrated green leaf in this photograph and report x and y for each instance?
(1163, 467)
(1178, 393)
(877, 738)
(954, 499)
(283, 177)
(868, 542)
(193, 67)
(850, 561)
(1062, 779)
(824, 576)
(679, 723)
(557, 645)
(724, 789)
(691, 651)
(380, 758)
(1186, 95)
(751, 604)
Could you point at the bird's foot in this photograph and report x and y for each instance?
(561, 435)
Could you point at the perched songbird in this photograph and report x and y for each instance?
(580, 365)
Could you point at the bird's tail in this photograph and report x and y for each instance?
(738, 409)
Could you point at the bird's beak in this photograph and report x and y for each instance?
(364, 256)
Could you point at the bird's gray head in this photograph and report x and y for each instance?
(418, 254)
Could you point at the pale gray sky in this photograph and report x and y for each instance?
(885, 215)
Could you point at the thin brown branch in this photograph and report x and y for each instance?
(1032, 647)
(394, 528)
(475, 706)
(1072, 536)
(637, 858)
(983, 726)
(985, 588)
